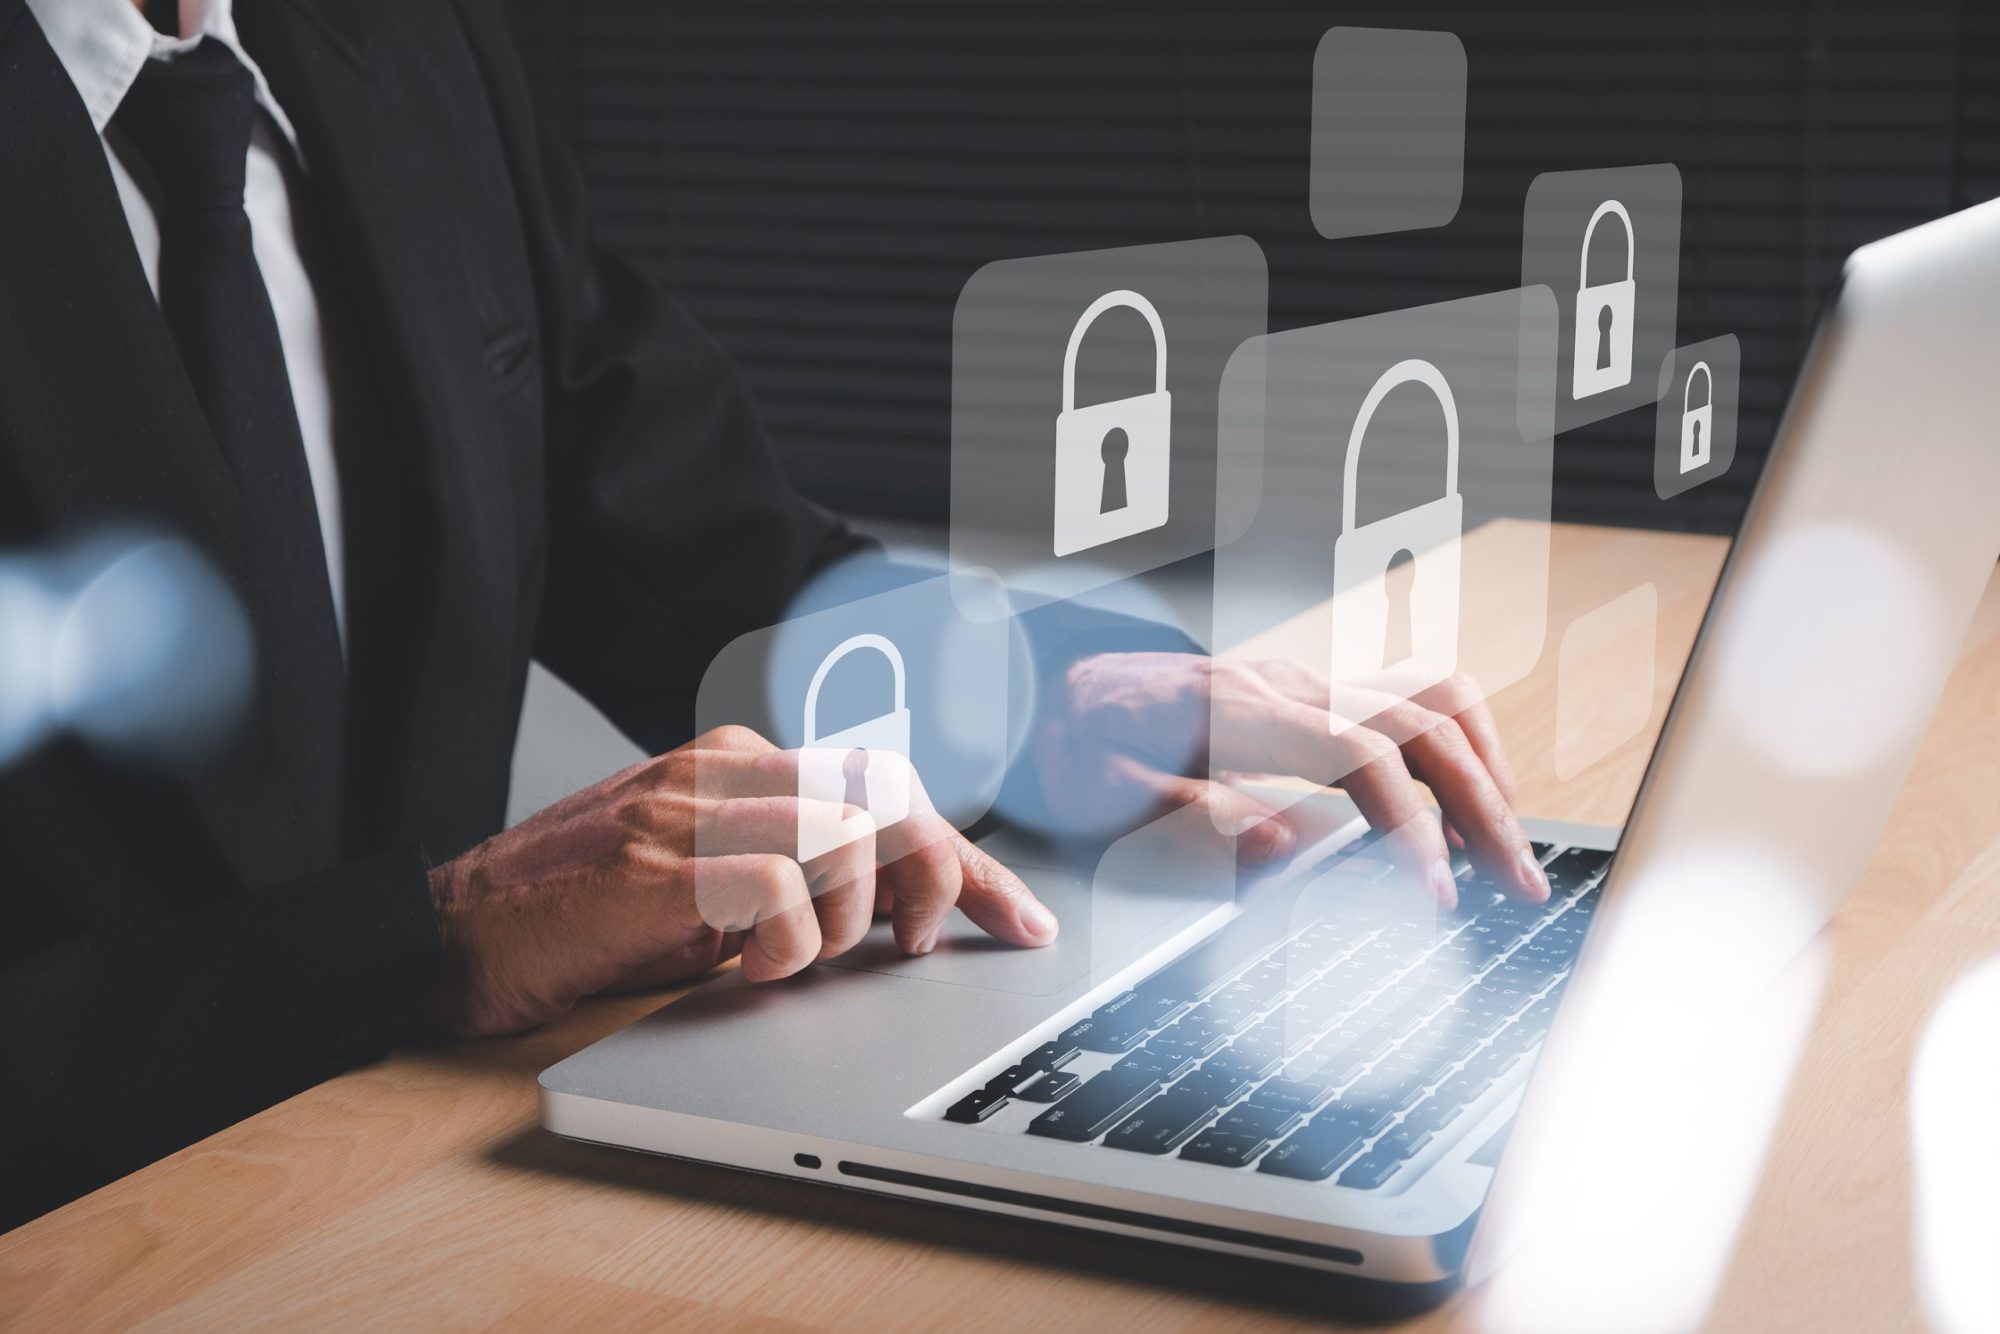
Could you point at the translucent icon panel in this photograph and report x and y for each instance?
(1394, 564)
(1607, 243)
(1388, 131)
(1605, 679)
(880, 727)
(1084, 405)
(1695, 434)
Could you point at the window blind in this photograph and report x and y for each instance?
(819, 180)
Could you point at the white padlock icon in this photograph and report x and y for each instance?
(1111, 458)
(1603, 354)
(865, 766)
(1362, 555)
(1697, 424)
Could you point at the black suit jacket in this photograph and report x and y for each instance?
(560, 464)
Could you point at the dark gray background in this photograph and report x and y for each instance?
(820, 179)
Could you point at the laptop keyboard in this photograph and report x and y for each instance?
(1339, 1052)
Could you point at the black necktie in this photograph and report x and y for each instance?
(190, 119)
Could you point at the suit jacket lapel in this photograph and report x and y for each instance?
(101, 420)
(434, 657)
(99, 425)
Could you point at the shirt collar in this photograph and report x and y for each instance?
(103, 44)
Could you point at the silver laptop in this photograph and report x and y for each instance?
(1299, 1071)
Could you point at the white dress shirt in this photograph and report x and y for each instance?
(103, 44)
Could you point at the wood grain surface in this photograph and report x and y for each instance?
(421, 1192)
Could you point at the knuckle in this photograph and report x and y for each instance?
(776, 880)
(642, 811)
(734, 736)
(674, 772)
(1450, 741)
(778, 766)
(1372, 747)
(639, 856)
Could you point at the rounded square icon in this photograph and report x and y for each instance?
(878, 698)
(1084, 408)
(1388, 131)
(1694, 439)
(1396, 531)
(1608, 244)
(1605, 677)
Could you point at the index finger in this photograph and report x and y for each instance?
(930, 868)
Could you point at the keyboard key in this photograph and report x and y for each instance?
(1266, 979)
(1051, 1086)
(1380, 1089)
(1217, 1083)
(1221, 1148)
(1367, 1120)
(1461, 1090)
(975, 1107)
(1163, 1124)
(1051, 1056)
(1224, 1013)
(1162, 1064)
(1315, 1008)
(1088, 1112)
(1190, 1037)
(1404, 1140)
(1370, 1170)
(1342, 1067)
(1313, 950)
(1263, 1122)
(1292, 1095)
(1269, 1039)
(1134, 1013)
(1094, 1034)
(1312, 1152)
(1574, 867)
(1014, 1077)
(1087, 1035)
(1243, 1062)
(1406, 1066)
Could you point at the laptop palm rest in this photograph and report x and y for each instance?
(1148, 888)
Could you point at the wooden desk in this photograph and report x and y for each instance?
(421, 1192)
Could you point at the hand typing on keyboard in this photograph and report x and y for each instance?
(1131, 737)
(640, 879)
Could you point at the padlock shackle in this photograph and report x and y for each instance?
(1121, 297)
(1687, 392)
(1402, 373)
(880, 645)
(1631, 242)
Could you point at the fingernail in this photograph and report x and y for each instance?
(1036, 920)
(1444, 885)
(1534, 881)
(1263, 840)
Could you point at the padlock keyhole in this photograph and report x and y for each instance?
(1697, 438)
(1604, 338)
(1399, 587)
(1113, 451)
(855, 769)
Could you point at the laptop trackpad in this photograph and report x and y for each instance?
(1143, 895)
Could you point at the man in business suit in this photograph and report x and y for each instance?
(307, 287)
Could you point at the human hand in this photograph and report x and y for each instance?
(1132, 730)
(642, 879)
